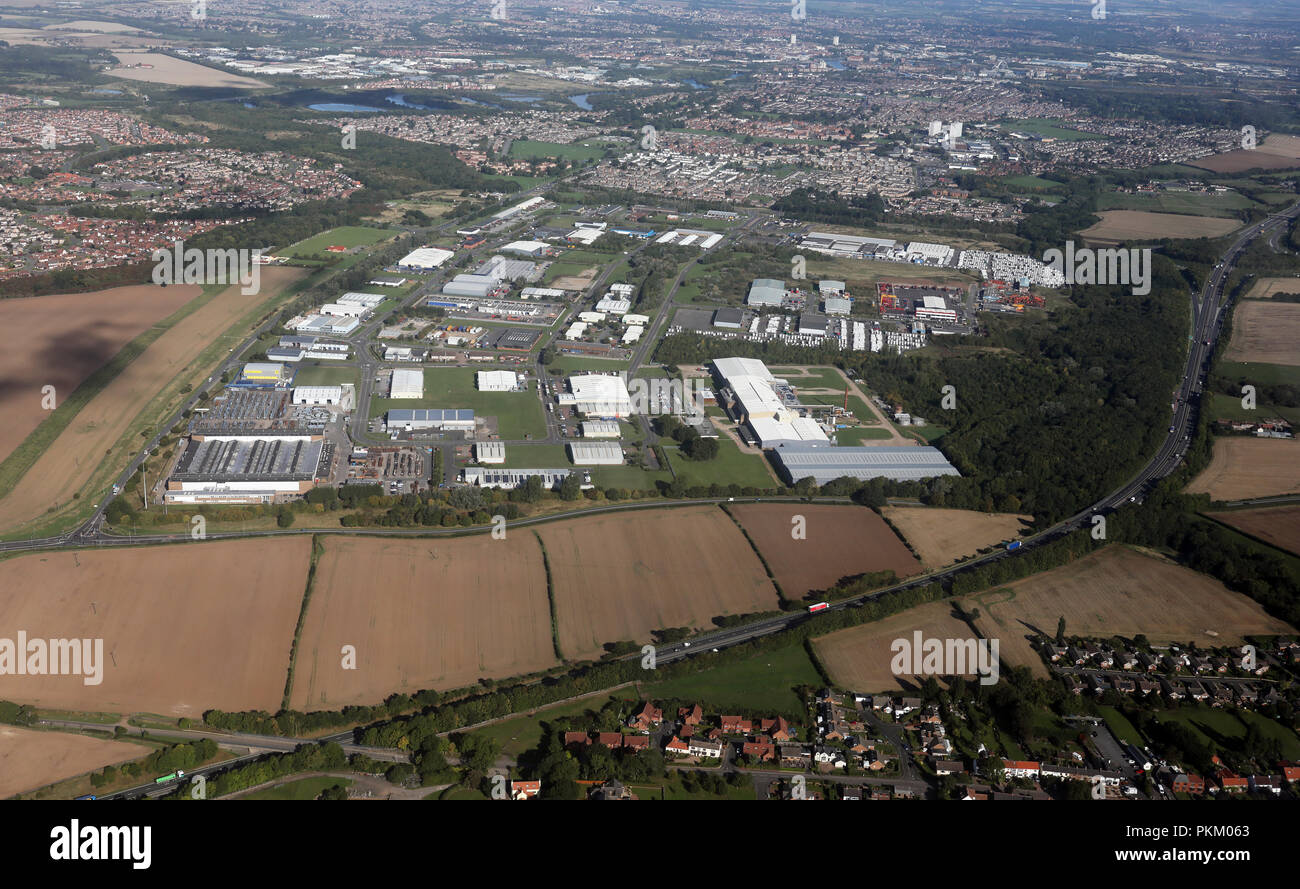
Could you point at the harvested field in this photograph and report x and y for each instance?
(1274, 153)
(841, 541)
(67, 465)
(186, 627)
(859, 657)
(1278, 525)
(1137, 225)
(422, 614)
(1265, 332)
(1245, 467)
(59, 340)
(30, 759)
(1266, 288)
(1118, 591)
(942, 536)
(179, 72)
(620, 577)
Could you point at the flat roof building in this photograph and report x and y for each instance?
(264, 374)
(490, 452)
(595, 453)
(600, 429)
(424, 258)
(837, 305)
(729, 318)
(509, 479)
(824, 463)
(318, 395)
(598, 395)
(407, 384)
(497, 380)
(452, 420)
(766, 292)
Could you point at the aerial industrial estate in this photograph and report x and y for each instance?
(669, 401)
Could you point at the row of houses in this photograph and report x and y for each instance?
(1245, 660)
(1218, 693)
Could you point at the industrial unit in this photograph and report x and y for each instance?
(263, 375)
(509, 479)
(453, 420)
(595, 453)
(318, 395)
(241, 470)
(424, 259)
(598, 395)
(600, 429)
(497, 380)
(490, 452)
(823, 463)
(407, 384)
(758, 404)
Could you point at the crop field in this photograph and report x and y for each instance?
(859, 657)
(1266, 288)
(61, 339)
(1278, 525)
(942, 536)
(622, 576)
(30, 759)
(178, 72)
(421, 614)
(1276, 152)
(1127, 225)
(841, 541)
(1265, 331)
(518, 413)
(68, 463)
(1244, 467)
(185, 627)
(1118, 591)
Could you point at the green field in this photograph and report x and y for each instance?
(347, 236)
(1177, 202)
(1050, 129)
(1029, 183)
(525, 732)
(525, 148)
(1208, 723)
(1119, 725)
(817, 377)
(518, 413)
(539, 456)
(856, 435)
(629, 477)
(767, 681)
(730, 467)
(304, 788)
(325, 375)
(573, 363)
(1228, 407)
(1261, 374)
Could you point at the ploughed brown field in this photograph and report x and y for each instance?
(68, 463)
(861, 658)
(622, 576)
(61, 339)
(1118, 591)
(185, 628)
(840, 541)
(30, 759)
(1244, 467)
(942, 536)
(422, 614)
(1276, 152)
(1265, 331)
(1278, 525)
(1126, 225)
(179, 72)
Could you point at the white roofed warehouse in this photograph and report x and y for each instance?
(407, 384)
(595, 453)
(490, 452)
(824, 464)
(600, 429)
(497, 380)
(598, 395)
(424, 258)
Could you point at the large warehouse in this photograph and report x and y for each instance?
(318, 395)
(490, 452)
(509, 479)
(598, 395)
(264, 375)
(756, 402)
(497, 380)
(407, 384)
(424, 258)
(766, 292)
(595, 453)
(600, 429)
(799, 460)
(241, 470)
(453, 420)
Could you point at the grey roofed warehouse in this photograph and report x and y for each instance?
(799, 460)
